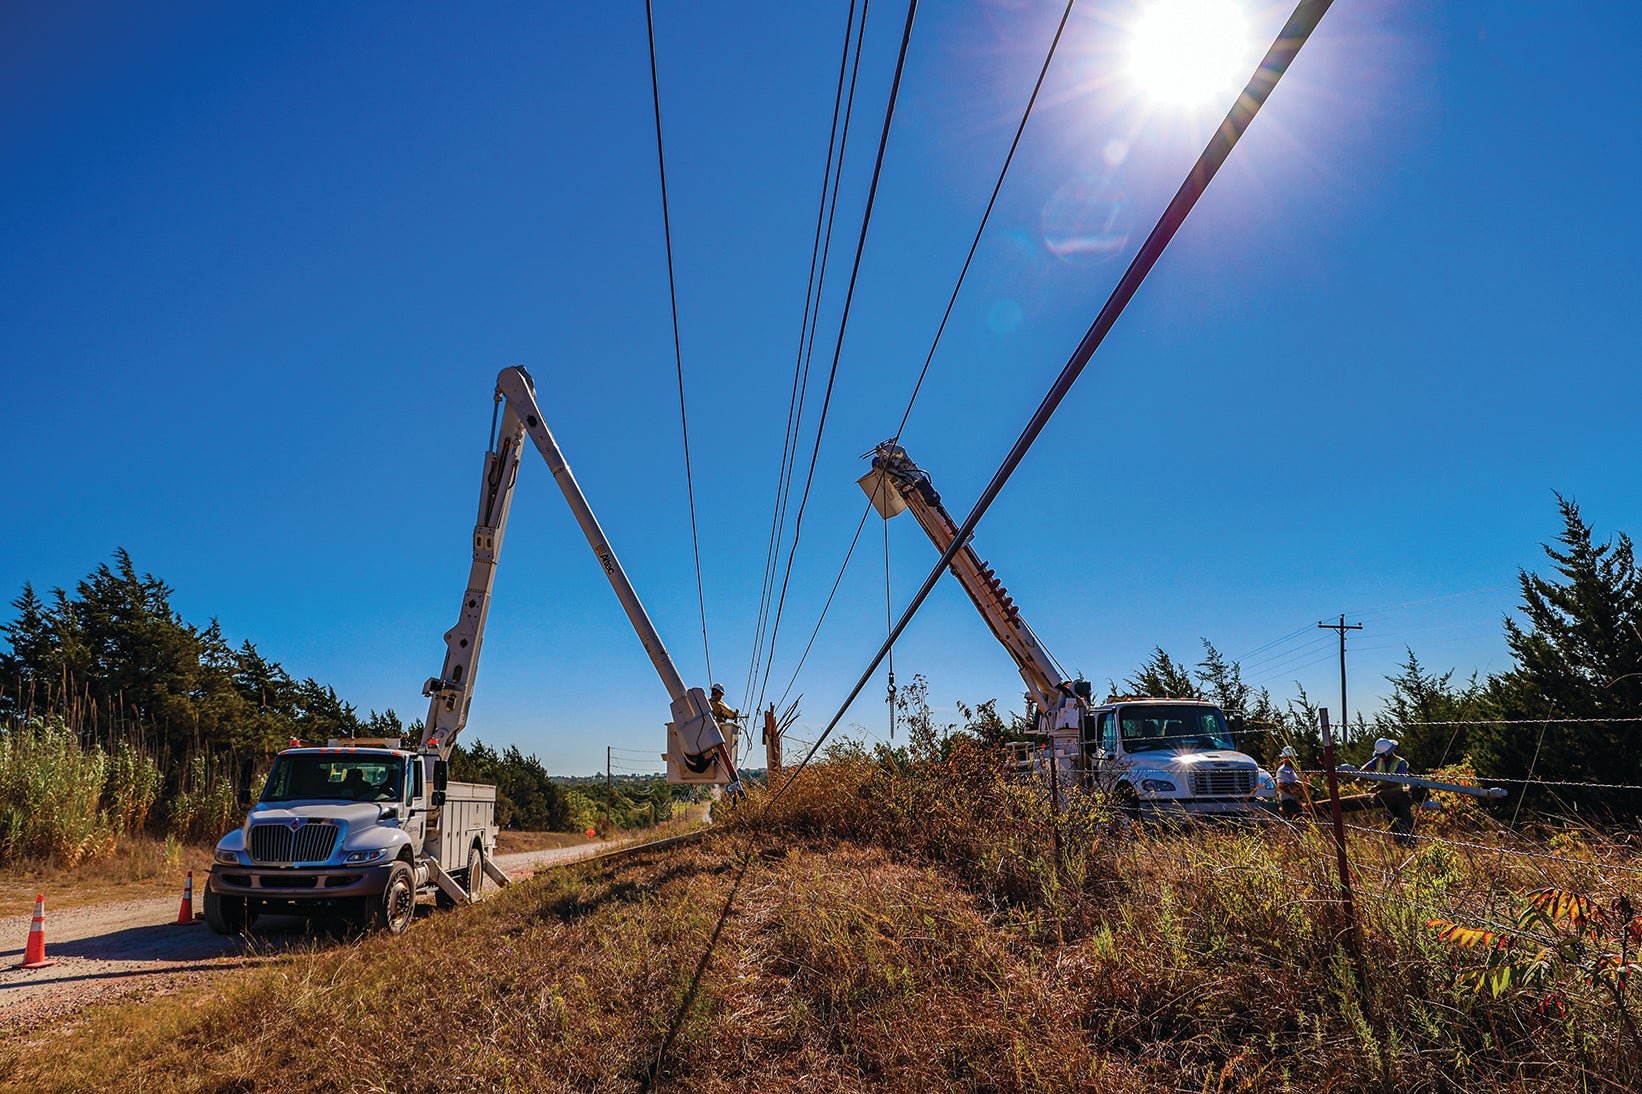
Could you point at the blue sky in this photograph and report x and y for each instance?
(260, 264)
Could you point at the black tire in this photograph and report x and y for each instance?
(226, 914)
(1126, 802)
(476, 873)
(393, 909)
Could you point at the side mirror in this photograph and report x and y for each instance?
(436, 799)
(441, 775)
(389, 812)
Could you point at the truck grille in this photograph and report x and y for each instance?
(279, 843)
(1223, 782)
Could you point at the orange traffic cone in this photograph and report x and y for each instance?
(34, 957)
(185, 914)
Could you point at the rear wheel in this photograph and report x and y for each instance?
(476, 873)
(393, 909)
(227, 914)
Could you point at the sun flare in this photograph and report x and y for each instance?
(1191, 52)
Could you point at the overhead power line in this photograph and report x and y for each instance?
(820, 247)
(843, 323)
(1276, 61)
(678, 353)
(940, 329)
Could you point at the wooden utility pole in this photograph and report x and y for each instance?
(1342, 628)
(772, 742)
(609, 790)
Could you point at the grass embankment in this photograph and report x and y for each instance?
(906, 928)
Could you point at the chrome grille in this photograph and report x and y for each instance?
(280, 843)
(1223, 782)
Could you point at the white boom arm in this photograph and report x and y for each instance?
(896, 484)
(699, 746)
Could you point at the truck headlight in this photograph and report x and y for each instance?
(366, 856)
(1157, 786)
(228, 858)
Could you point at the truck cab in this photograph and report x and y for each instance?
(351, 831)
(1161, 757)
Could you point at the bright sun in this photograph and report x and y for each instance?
(1190, 52)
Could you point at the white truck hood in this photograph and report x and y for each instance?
(1165, 760)
(352, 814)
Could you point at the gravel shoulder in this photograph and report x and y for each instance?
(104, 951)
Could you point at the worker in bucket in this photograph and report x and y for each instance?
(721, 710)
(1395, 797)
(1291, 789)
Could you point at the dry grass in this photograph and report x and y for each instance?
(893, 932)
(138, 867)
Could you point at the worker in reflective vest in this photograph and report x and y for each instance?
(1291, 790)
(1398, 802)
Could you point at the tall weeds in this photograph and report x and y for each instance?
(1215, 956)
(206, 803)
(67, 800)
(51, 791)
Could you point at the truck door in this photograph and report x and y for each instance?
(414, 803)
(1103, 750)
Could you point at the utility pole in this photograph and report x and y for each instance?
(1342, 627)
(609, 792)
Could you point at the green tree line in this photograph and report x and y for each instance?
(120, 657)
(1559, 713)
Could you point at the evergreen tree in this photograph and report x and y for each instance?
(1578, 655)
(1162, 676)
(1418, 696)
(1252, 713)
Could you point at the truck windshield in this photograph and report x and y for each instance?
(328, 777)
(1179, 728)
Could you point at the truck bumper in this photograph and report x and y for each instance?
(300, 885)
(1186, 808)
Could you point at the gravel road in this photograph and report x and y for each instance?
(108, 950)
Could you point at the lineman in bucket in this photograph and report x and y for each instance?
(722, 710)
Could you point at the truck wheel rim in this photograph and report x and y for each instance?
(401, 905)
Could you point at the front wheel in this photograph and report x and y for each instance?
(393, 909)
(476, 873)
(1127, 802)
(227, 914)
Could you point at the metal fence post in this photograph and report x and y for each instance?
(1353, 936)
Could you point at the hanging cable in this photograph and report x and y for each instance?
(963, 273)
(889, 625)
(836, 581)
(1276, 61)
(819, 249)
(843, 325)
(975, 243)
(678, 353)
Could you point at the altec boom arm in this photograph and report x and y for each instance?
(896, 484)
(700, 744)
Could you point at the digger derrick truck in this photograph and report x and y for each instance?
(1153, 756)
(360, 829)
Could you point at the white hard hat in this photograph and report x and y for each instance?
(1384, 745)
(1288, 753)
(719, 688)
